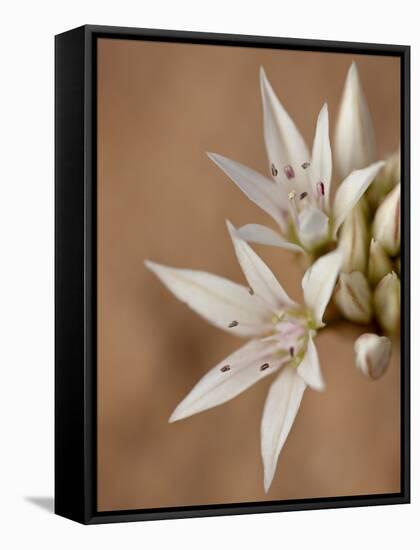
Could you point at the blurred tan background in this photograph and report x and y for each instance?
(160, 108)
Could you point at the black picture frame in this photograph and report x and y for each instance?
(75, 273)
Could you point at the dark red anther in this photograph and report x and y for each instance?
(288, 170)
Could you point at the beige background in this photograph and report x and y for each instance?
(160, 107)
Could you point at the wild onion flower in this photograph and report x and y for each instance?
(299, 198)
(369, 288)
(281, 336)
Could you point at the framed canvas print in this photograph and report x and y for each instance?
(232, 274)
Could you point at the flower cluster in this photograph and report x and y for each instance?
(353, 239)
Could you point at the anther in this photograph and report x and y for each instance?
(225, 368)
(291, 196)
(292, 352)
(233, 324)
(306, 165)
(303, 195)
(290, 173)
(251, 291)
(321, 188)
(274, 171)
(264, 367)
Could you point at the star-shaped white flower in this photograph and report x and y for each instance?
(281, 336)
(299, 198)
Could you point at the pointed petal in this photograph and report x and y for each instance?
(354, 137)
(280, 410)
(259, 276)
(259, 189)
(229, 378)
(284, 143)
(218, 300)
(259, 234)
(321, 163)
(309, 368)
(351, 190)
(319, 281)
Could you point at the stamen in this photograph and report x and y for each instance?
(225, 368)
(293, 207)
(303, 195)
(251, 291)
(292, 351)
(233, 324)
(264, 367)
(288, 170)
(274, 171)
(306, 165)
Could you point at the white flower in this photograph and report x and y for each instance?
(299, 198)
(387, 222)
(281, 333)
(372, 354)
(354, 136)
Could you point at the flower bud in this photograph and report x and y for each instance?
(372, 354)
(354, 240)
(379, 263)
(386, 180)
(387, 302)
(386, 225)
(354, 135)
(353, 297)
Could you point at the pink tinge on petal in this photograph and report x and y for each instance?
(289, 335)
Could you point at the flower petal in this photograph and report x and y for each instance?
(259, 189)
(284, 143)
(260, 234)
(319, 281)
(312, 227)
(321, 163)
(229, 378)
(280, 410)
(354, 136)
(351, 190)
(309, 368)
(386, 226)
(258, 274)
(218, 300)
